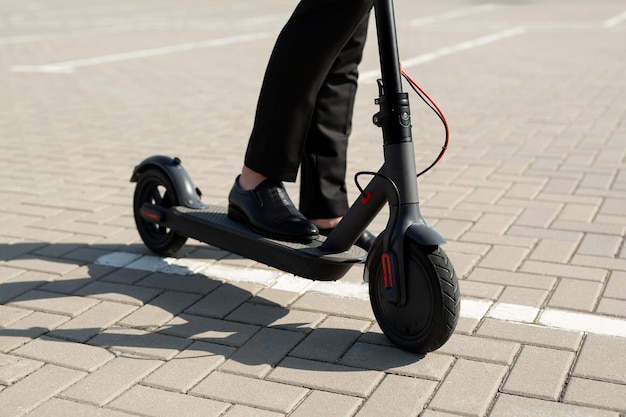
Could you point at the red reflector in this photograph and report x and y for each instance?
(366, 198)
(387, 275)
(150, 215)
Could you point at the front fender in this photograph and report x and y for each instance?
(188, 194)
(425, 235)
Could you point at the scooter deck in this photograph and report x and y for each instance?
(308, 260)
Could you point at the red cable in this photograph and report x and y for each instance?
(438, 112)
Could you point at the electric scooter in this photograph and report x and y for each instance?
(413, 288)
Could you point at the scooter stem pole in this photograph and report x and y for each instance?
(388, 46)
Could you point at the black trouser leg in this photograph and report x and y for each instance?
(303, 57)
(322, 173)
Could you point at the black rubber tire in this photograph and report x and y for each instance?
(432, 308)
(154, 187)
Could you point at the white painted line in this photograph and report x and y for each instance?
(292, 283)
(370, 76)
(345, 289)
(615, 20)
(475, 309)
(10, 40)
(454, 14)
(583, 322)
(118, 259)
(513, 312)
(270, 278)
(70, 66)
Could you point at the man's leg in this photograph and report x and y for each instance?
(303, 56)
(322, 176)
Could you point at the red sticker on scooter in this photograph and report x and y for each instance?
(367, 197)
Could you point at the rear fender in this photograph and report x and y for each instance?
(188, 194)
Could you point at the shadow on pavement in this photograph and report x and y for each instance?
(192, 308)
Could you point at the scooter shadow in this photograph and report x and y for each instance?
(162, 315)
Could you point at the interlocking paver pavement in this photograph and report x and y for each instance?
(530, 197)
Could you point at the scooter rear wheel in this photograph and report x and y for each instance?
(155, 188)
(428, 318)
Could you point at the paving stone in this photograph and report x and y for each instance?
(221, 302)
(210, 330)
(11, 251)
(530, 334)
(252, 392)
(543, 233)
(538, 216)
(394, 360)
(489, 350)
(596, 394)
(119, 293)
(331, 339)
(41, 264)
(576, 294)
(452, 229)
(275, 297)
(602, 358)
(431, 413)
(494, 223)
(600, 245)
(111, 380)
(92, 321)
(78, 278)
(53, 303)
(35, 389)
(539, 373)
(463, 263)
(323, 404)
(612, 307)
(595, 227)
(13, 368)
(63, 353)
(578, 212)
(140, 342)
(468, 247)
(469, 388)
(27, 328)
(513, 406)
(517, 279)
(466, 325)
(497, 239)
(160, 310)
(148, 401)
(130, 276)
(523, 296)
(615, 264)
(398, 395)
(616, 286)
(278, 317)
(480, 290)
(553, 250)
(189, 367)
(339, 306)
(262, 352)
(23, 283)
(327, 377)
(566, 271)
(57, 407)
(10, 315)
(244, 411)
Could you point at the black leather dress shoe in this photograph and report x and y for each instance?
(365, 241)
(269, 211)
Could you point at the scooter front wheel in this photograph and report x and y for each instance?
(155, 188)
(428, 318)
